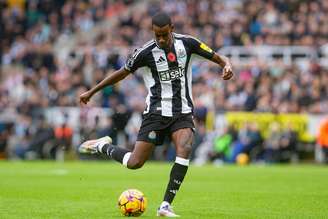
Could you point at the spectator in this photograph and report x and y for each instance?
(288, 144)
(5, 131)
(322, 139)
(43, 135)
(223, 145)
(272, 144)
(63, 142)
(248, 140)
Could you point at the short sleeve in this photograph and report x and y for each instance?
(199, 48)
(135, 60)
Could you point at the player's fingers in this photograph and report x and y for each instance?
(225, 72)
(227, 75)
(83, 101)
(227, 69)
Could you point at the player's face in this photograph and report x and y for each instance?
(163, 35)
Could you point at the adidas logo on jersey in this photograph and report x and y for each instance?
(160, 60)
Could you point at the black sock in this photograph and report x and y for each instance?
(177, 175)
(114, 152)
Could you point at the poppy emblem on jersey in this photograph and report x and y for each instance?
(171, 57)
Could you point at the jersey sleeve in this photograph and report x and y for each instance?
(199, 48)
(135, 60)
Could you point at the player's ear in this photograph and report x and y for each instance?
(171, 27)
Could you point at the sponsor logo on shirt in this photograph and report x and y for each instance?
(171, 74)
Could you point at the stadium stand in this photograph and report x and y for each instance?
(50, 53)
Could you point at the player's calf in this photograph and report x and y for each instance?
(135, 163)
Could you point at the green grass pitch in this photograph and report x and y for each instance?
(90, 190)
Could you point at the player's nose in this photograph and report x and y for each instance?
(162, 42)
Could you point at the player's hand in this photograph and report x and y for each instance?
(227, 72)
(85, 97)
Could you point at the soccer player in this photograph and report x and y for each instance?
(167, 74)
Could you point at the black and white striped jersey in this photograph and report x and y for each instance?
(167, 73)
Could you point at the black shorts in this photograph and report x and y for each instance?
(155, 128)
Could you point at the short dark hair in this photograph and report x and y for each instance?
(161, 19)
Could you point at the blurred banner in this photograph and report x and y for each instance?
(297, 122)
(306, 125)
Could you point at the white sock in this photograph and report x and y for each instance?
(126, 159)
(101, 144)
(182, 161)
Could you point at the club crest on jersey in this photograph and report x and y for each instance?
(205, 47)
(181, 53)
(171, 74)
(152, 135)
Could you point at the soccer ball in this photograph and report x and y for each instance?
(242, 159)
(132, 202)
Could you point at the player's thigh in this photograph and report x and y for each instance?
(142, 151)
(152, 129)
(182, 140)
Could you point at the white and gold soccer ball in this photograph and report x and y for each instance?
(132, 202)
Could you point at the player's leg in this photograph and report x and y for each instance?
(143, 148)
(182, 139)
(131, 159)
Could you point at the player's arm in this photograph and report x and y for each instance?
(135, 61)
(224, 62)
(109, 80)
(204, 51)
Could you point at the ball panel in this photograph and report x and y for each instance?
(132, 202)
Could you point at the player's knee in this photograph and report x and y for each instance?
(135, 164)
(184, 149)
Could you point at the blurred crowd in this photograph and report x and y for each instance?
(252, 22)
(35, 77)
(227, 145)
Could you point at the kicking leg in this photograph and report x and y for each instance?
(140, 154)
(182, 139)
(132, 160)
